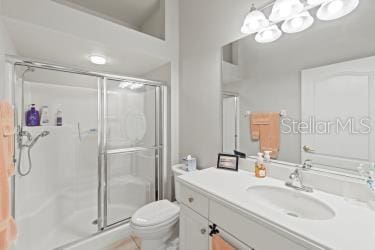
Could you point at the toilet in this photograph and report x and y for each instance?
(157, 222)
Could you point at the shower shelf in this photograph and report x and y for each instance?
(46, 127)
(38, 129)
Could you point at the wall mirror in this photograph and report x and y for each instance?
(320, 80)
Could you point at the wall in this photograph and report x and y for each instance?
(205, 26)
(155, 24)
(6, 47)
(272, 71)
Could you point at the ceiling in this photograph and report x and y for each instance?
(131, 13)
(48, 31)
(75, 51)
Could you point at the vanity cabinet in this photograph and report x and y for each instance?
(194, 230)
(198, 212)
(236, 243)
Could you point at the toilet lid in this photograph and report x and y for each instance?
(158, 212)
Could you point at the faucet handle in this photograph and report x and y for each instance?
(26, 134)
(371, 183)
(294, 174)
(307, 164)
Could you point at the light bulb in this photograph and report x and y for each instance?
(285, 11)
(315, 2)
(267, 34)
(335, 6)
(245, 29)
(124, 85)
(136, 86)
(100, 60)
(296, 22)
(271, 34)
(253, 24)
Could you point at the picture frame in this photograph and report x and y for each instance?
(227, 161)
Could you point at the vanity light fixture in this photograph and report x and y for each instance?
(315, 2)
(268, 35)
(254, 21)
(334, 9)
(294, 15)
(298, 23)
(283, 9)
(99, 60)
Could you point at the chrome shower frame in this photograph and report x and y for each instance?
(160, 131)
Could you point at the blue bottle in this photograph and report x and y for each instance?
(32, 117)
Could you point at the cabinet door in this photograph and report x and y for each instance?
(193, 230)
(237, 244)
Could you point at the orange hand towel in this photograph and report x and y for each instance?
(256, 121)
(219, 243)
(8, 231)
(265, 127)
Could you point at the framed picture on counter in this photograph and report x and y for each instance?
(227, 161)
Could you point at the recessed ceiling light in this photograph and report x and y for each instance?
(99, 60)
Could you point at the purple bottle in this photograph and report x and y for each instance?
(32, 117)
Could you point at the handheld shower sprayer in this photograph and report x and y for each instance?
(29, 146)
(35, 140)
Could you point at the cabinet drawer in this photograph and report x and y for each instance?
(194, 200)
(251, 232)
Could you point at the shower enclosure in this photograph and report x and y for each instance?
(230, 121)
(94, 171)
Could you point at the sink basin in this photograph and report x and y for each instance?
(291, 202)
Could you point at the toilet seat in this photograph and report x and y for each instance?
(155, 215)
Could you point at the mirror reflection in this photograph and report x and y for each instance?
(306, 96)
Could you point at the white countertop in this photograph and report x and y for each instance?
(352, 228)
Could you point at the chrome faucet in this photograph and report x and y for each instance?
(296, 181)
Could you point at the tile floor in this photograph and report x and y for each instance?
(131, 243)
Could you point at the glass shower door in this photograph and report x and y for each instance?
(56, 180)
(132, 148)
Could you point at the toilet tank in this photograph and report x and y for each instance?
(177, 170)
